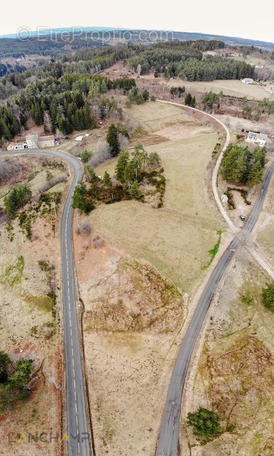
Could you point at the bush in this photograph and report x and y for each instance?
(85, 228)
(268, 296)
(85, 155)
(17, 198)
(205, 423)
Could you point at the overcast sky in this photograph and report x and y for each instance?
(232, 17)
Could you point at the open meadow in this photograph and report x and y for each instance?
(138, 270)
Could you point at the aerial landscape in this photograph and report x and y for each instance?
(136, 232)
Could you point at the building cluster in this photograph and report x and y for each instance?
(34, 141)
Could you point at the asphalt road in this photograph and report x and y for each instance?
(78, 426)
(169, 431)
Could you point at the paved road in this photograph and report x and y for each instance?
(169, 431)
(78, 426)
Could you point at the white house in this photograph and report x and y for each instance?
(247, 81)
(257, 138)
(17, 146)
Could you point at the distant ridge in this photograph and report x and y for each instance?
(231, 40)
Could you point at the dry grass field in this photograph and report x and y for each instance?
(233, 373)
(30, 322)
(264, 234)
(228, 87)
(234, 88)
(132, 327)
(177, 237)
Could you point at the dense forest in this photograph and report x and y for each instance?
(71, 102)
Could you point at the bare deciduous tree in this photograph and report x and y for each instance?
(8, 169)
(123, 141)
(85, 227)
(101, 153)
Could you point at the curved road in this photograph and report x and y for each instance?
(168, 443)
(78, 426)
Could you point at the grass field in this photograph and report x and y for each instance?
(228, 87)
(176, 238)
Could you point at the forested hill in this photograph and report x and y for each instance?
(69, 93)
(183, 59)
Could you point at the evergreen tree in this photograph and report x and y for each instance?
(205, 423)
(17, 198)
(5, 361)
(107, 180)
(134, 191)
(81, 199)
(113, 140)
(268, 296)
(121, 166)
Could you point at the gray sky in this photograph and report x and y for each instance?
(233, 17)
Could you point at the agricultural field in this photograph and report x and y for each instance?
(138, 269)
